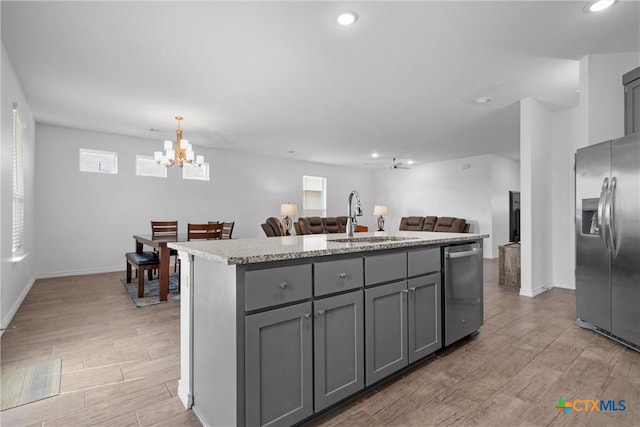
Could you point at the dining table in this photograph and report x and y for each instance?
(160, 243)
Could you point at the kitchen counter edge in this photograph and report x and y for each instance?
(259, 250)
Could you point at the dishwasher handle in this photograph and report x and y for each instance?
(463, 254)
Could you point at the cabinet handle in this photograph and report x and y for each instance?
(412, 289)
(342, 275)
(283, 285)
(406, 291)
(307, 315)
(320, 312)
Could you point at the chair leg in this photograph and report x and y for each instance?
(141, 282)
(150, 273)
(128, 272)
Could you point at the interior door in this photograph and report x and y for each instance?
(625, 223)
(593, 270)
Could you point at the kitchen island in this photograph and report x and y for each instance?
(275, 330)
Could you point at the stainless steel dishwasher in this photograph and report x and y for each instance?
(463, 284)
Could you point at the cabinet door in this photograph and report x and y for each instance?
(632, 107)
(386, 330)
(278, 366)
(338, 348)
(425, 330)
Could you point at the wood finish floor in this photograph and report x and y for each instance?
(120, 364)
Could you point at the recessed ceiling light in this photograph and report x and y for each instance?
(482, 100)
(347, 18)
(410, 162)
(375, 155)
(600, 5)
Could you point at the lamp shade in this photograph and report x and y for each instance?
(288, 209)
(381, 210)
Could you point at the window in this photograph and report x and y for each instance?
(98, 161)
(314, 196)
(17, 247)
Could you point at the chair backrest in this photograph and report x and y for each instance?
(429, 223)
(342, 223)
(268, 231)
(331, 224)
(204, 231)
(164, 229)
(276, 225)
(411, 223)
(227, 229)
(450, 224)
(316, 226)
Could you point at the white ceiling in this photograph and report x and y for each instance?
(271, 77)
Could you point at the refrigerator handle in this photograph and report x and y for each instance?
(610, 213)
(601, 212)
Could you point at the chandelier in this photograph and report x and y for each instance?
(181, 155)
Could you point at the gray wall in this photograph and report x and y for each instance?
(85, 221)
(17, 277)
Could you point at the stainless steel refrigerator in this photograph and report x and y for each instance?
(608, 238)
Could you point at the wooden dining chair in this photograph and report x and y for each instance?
(166, 229)
(210, 231)
(227, 229)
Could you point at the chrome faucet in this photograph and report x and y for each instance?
(352, 222)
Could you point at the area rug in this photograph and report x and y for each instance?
(35, 382)
(151, 291)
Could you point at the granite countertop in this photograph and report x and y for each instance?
(252, 251)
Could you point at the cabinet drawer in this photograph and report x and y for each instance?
(273, 286)
(423, 261)
(384, 268)
(335, 276)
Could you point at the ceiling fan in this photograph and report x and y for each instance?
(401, 163)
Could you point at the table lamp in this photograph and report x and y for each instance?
(288, 209)
(381, 210)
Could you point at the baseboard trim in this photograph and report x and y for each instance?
(14, 309)
(79, 272)
(535, 292)
(184, 395)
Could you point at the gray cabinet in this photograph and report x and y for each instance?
(330, 277)
(386, 330)
(402, 324)
(278, 366)
(338, 347)
(631, 82)
(425, 328)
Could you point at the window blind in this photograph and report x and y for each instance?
(18, 184)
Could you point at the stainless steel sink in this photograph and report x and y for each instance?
(377, 239)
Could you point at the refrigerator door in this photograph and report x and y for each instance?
(624, 219)
(593, 166)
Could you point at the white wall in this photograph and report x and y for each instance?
(602, 95)
(17, 277)
(461, 188)
(563, 145)
(85, 221)
(535, 197)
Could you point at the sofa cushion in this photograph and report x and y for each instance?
(331, 224)
(411, 223)
(342, 223)
(304, 227)
(315, 225)
(450, 225)
(429, 223)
